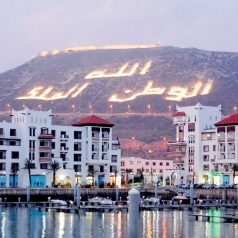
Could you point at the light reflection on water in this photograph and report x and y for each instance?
(23, 222)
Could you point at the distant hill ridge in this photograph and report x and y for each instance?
(123, 81)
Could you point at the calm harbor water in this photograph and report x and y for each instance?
(24, 223)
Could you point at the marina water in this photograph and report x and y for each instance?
(29, 222)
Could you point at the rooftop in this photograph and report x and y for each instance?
(93, 121)
(231, 120)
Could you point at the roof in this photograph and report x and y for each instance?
(93, 121)
(46, 136)
(179, 114)
(231, 120)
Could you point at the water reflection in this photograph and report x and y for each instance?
(23, 222)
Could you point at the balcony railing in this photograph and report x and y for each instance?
(45, 159)
(64, 137)
(45, 148)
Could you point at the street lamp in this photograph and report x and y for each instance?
(129, 108)
(235, 108)
(9, 107)
(149, 107)
(90, 108)
(111, 107)
(73, 108)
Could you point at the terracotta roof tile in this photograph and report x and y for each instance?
(92, 120)
(231, 120)
(179, 114)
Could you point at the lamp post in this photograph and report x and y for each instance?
(90, 108)
(235, 108)
(73, 108)
(111, 107)
(149, 108)
(129, 108)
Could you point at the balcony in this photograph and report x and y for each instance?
(44, 148)
(177, 161)
(45, 159)
(64, 137)
(64, 149)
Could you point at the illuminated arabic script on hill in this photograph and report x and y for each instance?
(172, 93)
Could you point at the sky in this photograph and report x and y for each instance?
(28, 27)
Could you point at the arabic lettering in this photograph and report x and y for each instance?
(178, 93)
(175, 93)
(40, 93)
(148, 90)
(122, 72)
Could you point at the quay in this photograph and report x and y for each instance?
(122, 206)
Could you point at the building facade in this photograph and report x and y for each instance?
(157, 171)
(194, 150)
(227, 151)
(86, 151)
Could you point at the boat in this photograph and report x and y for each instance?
(101, 201)
(152, 199)
(59, 202)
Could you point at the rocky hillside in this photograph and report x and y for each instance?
(136, 88)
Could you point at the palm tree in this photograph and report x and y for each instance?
(92, 172)
(115, 175)
(127, 176)
(14, 174)
(234, 169)
(54, 167)
(28, 165)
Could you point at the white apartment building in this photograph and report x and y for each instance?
(195, 149)
(87, 152)
(227, 151)
(156, 171)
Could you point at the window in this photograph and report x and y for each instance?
(191, 150)
(15, 154)
(205, 157)
(114, 158)
(53, 132)
(77, 157)
(32, 131)
(44, 130)
(32, 144)
(2, 166)
(77, 146)
(191, 127)
(31, 155)
(101, 169)
(13, 132)
(191, 139)
(113, 169)
(2, 154)
(205, 167)
(161, 163)
(78, 135)
(77, 167)
(122, 163)
(43, 166)
(53, 145)
(147, 163)
(214, 147)
(167, 163)
(206, 148)
(1, 132)
(154, 163)
(15, 166)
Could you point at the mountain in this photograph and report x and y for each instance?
(136, 88)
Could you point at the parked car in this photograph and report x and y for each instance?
(210, 186)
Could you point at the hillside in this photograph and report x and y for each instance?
(136, 88)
